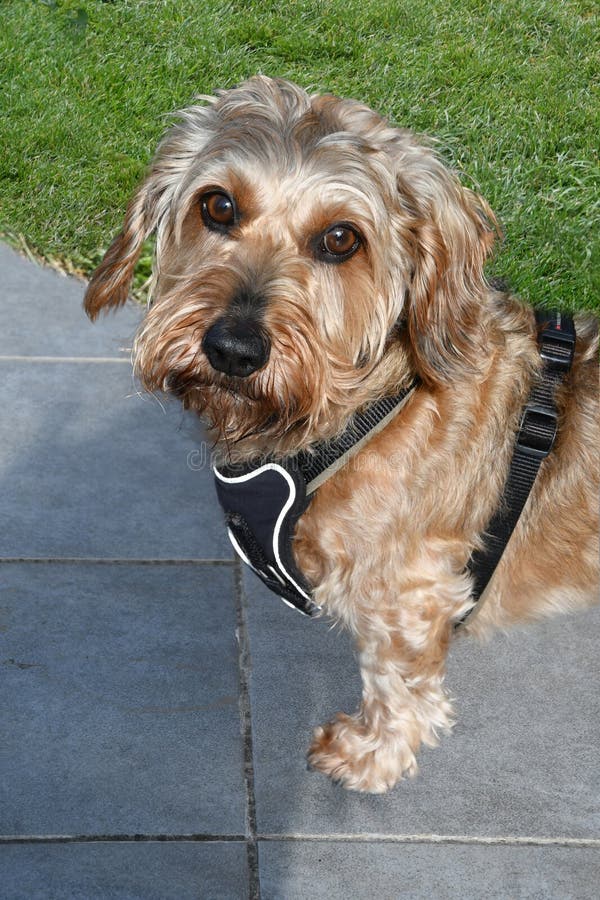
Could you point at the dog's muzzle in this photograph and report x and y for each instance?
(236, 348)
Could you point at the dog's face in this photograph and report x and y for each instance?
(309, 257)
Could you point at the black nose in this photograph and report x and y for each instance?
(236, 348)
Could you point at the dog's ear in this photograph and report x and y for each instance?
(151, 205)
(451, 232)
(110, 283)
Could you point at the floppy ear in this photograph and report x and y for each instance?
(110, 283)
(451, 233)
(151, 204)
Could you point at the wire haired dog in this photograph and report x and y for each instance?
(311, 259)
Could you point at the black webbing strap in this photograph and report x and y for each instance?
(537, 433)
(314, 462)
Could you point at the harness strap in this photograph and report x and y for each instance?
(537, 433)
(322, 461)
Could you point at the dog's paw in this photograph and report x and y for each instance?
(358, 758)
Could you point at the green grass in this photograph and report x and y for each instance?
(507, 87)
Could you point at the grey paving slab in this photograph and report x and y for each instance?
(41, 314)
(119, 700)
(124, 871)
(90, 468)
(372, 871)
(522, 760)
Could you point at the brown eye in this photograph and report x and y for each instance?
(218, 211)
(339, 243)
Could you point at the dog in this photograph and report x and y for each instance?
(311, 259)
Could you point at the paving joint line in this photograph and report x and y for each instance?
(478, 840)
(207, 837)
(112, 561)
(67, 359)
(120, 838)
(244, 667)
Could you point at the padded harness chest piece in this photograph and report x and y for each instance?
(262, 505)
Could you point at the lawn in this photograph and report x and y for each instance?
(507, 87)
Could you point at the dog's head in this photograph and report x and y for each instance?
(309, 257)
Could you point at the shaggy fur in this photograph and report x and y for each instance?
(386, 540)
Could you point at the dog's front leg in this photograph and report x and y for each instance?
(402, 651)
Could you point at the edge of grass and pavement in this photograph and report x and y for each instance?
(509, 91)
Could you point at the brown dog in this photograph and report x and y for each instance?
(310, 260)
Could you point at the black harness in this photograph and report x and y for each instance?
(264, 499)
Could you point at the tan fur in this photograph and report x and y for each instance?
(386, 540)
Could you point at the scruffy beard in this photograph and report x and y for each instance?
(304, 394)
(242, 415)
(275, 409)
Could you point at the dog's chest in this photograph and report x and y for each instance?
(354, 522)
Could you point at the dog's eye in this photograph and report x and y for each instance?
(339, 243)
(218, 210)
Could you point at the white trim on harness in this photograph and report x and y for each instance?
(237, 479)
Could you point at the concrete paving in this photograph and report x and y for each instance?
(157, 702)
